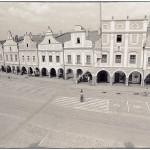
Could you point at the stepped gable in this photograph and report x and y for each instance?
(64, 37)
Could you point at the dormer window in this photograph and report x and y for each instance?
(78, 40)
(27, 45)
(49, 41)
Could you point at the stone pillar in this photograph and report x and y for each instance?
(94, 80)
(49, 74)
(40, 73)
(65, 76)
(127, 81)
(75, 78)
(142, 82)
(111, 80)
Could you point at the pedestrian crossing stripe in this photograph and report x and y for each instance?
(90, 104)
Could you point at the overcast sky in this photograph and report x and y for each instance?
(35, 17)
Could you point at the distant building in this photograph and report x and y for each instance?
(28, 54)
(11, 54)
(118, 53)
(50, 53)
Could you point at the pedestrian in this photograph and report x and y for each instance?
(81, 96)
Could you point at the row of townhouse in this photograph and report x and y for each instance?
(119, 53)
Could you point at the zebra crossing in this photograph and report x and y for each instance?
(90, 104)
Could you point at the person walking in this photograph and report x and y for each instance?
(81, 96)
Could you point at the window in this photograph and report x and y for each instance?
(33, 58)
(119, 38)
(28, 57)
(43, 58)
(6, 57)
(104, 59)
(50, 58)
(148, 61)
(88, 59)
(10, 48)
(27, 45)
(22, 58)
(57, 59)
(11, 58)
(78, 40)
(118, 59)
(16, 58)
(78, 59)
(49, 41)
(132, 59)
(69, 58)
(134, 38)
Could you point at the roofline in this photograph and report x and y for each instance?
(105, 20)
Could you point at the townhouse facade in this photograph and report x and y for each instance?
(28, 54)
(118, 53)
(50, 53)
(11, 54)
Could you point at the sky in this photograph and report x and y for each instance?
(35, 17)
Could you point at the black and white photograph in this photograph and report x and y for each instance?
(74, 74)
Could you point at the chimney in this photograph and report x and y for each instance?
(87, 32)
(16, 38)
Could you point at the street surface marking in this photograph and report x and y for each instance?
(148, 106)
(90, 104)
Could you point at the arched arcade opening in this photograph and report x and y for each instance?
(135, 77)
(52, 73)
(103, 77)
(119, 77)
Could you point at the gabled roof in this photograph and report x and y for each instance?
(93, 36)
(2, 42)
(64, 37)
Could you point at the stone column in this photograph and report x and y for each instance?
(111, 80)
(127, 81)
(75, 78)
(142, 82)
(94, 80)
(65, 76)
(49, 74)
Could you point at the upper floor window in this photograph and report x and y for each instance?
(16, 58)
(88, 59)
(78, 59)
(119, 39)
(11, 58)
(104, 59)
(6, 57)
(33, 58)
(57, 59)
(22, 58)
(43, 58)
(28, 58)
(10, 48)
(69, 58)
(78, 40)
(50, 58)
(148, 61)
(132, 59)
(27, 45)
(49, 41)
(118, 59)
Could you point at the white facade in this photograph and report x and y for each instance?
(50, 53)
